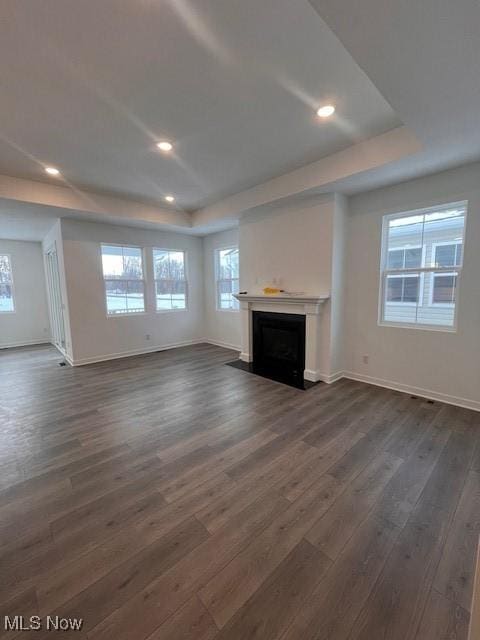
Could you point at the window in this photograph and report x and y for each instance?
(445, 284)
(227, 275)
(124, 283)
(404, 289)
(7, 304)
(422, 254)
(170, 282)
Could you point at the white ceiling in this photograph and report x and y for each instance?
(90, 87)
(424, 57)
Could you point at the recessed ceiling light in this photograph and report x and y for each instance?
(326, 111)
(52, 171)
(169, 198)
(165, 146)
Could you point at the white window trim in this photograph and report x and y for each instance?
(393, 273)
(12, 286)
(126, 314)
(383, 256)
(456, 272)
(216, 257)
(185, 269)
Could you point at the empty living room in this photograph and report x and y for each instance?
(240, 320)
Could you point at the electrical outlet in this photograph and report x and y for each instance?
(147, 336)
(365, 359)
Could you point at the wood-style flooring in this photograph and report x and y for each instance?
(169, 496)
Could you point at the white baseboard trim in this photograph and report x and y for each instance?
(134, 352)
(416, 391)
(318, 376)
(333, 377)
(24, 343)
(225, 345)
(245, 357)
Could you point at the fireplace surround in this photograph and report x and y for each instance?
(308, 307)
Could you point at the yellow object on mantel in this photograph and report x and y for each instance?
(271, 291)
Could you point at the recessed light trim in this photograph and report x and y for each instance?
(165, 146)
(326, 111)
(52, 171)
(169, 198)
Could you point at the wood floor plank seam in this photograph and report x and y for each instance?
(170, 496)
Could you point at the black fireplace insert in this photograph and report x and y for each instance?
(279, 346)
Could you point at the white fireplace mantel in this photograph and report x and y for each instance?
(309, 306)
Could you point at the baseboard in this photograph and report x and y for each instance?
(417, 391)
(225, 345)
(318, 376)
(333, 377)
(79, 362)
(24, 343)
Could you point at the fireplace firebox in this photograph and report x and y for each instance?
(279, 346)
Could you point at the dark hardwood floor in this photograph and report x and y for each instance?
(168, 496)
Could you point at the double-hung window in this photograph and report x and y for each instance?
(170, 282)
(124, 279)
(422, 255)
(227, 278)
(7, 304)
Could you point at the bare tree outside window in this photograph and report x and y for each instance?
(170, 281)
(227, 278)
(124, 283)
(7, 304)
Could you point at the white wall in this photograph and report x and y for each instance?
(95, 335)
(436, 363)
(221, 327)
(29, 324)
(294, 248)
(338, 297)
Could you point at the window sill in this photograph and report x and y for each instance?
(170, 310)
(228, 310)
(421, 327)
(134, 314)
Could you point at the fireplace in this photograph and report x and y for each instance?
(279, 346)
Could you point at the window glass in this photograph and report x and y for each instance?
(7, 304)
(422, 261)
(170, 281)
(227, 273)
(123, 275)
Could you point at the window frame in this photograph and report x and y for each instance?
(218, 280)
(384, 272)
(431, 302)
(185, 270)
(125, 314)
(11, 283)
